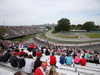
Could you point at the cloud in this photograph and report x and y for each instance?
(27, 12)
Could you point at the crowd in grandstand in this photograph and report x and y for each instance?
(10, 53)
(14, 31)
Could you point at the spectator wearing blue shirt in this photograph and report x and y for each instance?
(36, 50)
(69, 60)
(62, 58)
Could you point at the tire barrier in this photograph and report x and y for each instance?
(61, 44)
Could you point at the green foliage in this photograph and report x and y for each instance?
(43, 35)
(72, 27)
(97, 26)
(23, 38)
(2, 31)
(48, 27)
(54, 31)
(88, 25)
(63, 25)
(79, 27)
(95, 35)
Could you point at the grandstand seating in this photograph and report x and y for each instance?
(15, 31)
(89, 69)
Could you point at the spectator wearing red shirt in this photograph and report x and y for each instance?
(38, 53)
(60, 50)
(83, 61)
(85, 51)
(22, 52)
(40, 70)
(52, 60)
(32, 46)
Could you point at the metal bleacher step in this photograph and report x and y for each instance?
(79, 70)
(4, 71)
(66, 72)
(9, 68)
(89, 69)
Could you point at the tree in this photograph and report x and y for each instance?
(79, 27)
(97, 26)
(63, 25)
(48, 27)
(72, 26)
(88, 25)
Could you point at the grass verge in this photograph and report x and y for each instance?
(92, 36)
(66, 42)
(24, 37)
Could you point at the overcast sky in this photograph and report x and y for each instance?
(35, 12)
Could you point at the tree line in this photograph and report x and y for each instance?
(64, 25)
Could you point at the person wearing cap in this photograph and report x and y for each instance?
(40, 70)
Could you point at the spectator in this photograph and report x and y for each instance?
(83, 61)
(1, 56)
(14, 60)
(37, 63)
(68, 60)
(1, 44)
(47, 52)
(37, 49)
(78, 52)
(6, 56)
(38, 53)
(29, 49)
(96, 59)
(26, 55)
(32, 46)
(42, 51)
(40, 70)
(52, 71)
(62, 58)
(21, 62)
(29, 65)
(22, 52)
(34, 52)
(85, 56)
(52, 60)
(74, 54)
(16, 50)
(18, 73)
(77, 59)
(91, 59)
(1, 48)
